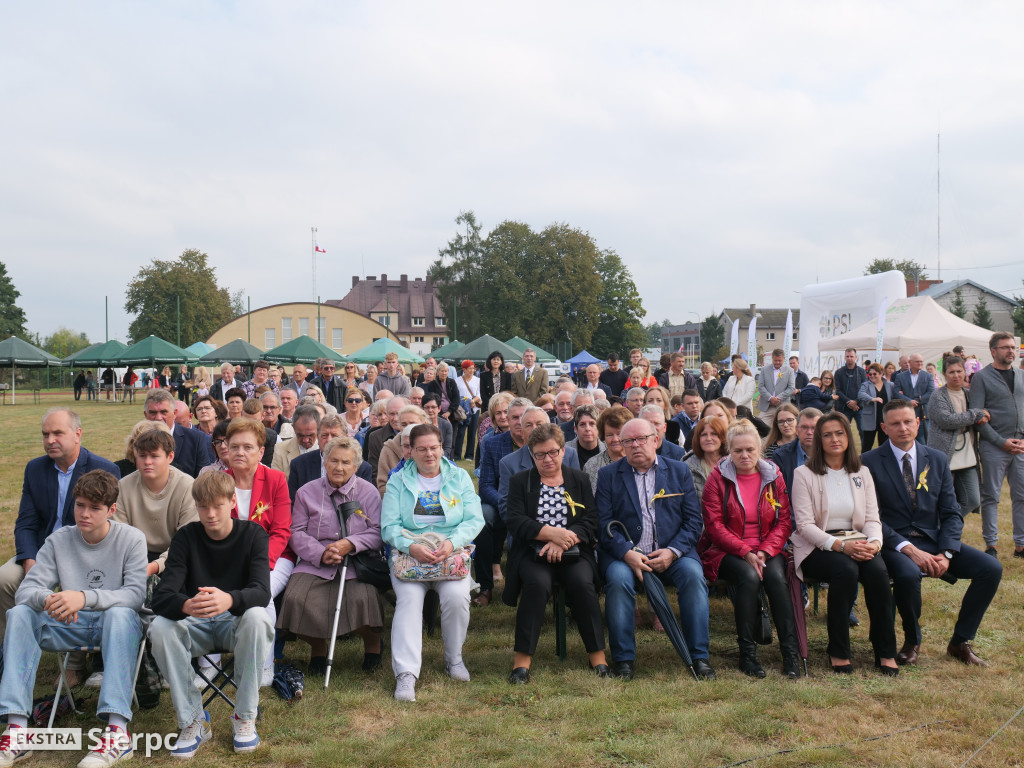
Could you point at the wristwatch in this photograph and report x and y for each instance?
(948, 554)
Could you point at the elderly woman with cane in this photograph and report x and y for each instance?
(323, 584)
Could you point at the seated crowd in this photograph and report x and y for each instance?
(249, 513)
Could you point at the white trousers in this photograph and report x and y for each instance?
(407, 625)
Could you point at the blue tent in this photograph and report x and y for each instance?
(582, 360)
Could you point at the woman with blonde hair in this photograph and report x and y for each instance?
(741, 386)
(659, 395)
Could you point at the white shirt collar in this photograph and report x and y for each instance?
(899, 454)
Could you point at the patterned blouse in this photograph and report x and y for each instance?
(552, 509)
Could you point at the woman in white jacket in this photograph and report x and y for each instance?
(741, 386)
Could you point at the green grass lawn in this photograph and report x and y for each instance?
(939, 712)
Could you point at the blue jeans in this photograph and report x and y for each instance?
(117, 631)
(620, 600)
(249, 636)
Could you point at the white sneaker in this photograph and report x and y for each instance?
(245, 739)
(9, 755)
(115, 744)
(405, 687)
(458, 671)
(95, 680)
(267, 677)
(192, 737)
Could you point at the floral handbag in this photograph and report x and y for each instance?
(408, 568)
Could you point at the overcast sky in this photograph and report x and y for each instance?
(729, 152)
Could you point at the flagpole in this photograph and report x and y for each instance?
(312, 246)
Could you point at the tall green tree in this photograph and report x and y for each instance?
(908, 267)
(544, 286)
(1018, 315)
(154, 294)
(620, 309)
(12, 317)
(64, 342)
(712, 338)
(982, 317)
(959, 308)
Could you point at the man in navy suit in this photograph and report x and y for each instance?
(916, 385)
(655, 499)
(794, 453)
(309, 466)
(921, 526)
(46, 500)
(521, 459)
(192, 447)
(593, 383)
(688, 417)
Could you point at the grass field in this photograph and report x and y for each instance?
(936, 714)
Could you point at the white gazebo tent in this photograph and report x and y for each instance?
(917, 324)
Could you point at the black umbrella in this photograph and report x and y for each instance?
(658, 599)
(797, 598)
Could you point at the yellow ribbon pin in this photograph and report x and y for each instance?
(452, 500)
(662, 495)
(573, 505)
(770, 498)
(257, 515)
(922, 479)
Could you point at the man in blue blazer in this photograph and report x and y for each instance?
(921, 527)
(521, 459)
(47, 502)
(916, 385)
(192, 447)
(664, 523)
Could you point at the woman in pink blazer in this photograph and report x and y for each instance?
(838, 537)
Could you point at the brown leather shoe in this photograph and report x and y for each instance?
(963, 653)
(908, 654)
(483, 598)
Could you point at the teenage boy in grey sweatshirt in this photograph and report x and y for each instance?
(100, 568)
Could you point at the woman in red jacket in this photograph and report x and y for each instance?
(261, 496)
(746, 525)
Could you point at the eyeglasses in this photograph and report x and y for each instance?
(218, 443)
(541, 455)
(786, 422)
(327, 368)
(354, 400)
(631, 441)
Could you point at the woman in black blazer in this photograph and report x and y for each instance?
(708, 385)
(495, 366)
(553, 522)
(444, 387)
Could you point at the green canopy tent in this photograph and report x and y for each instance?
(153, 351)
(238, 351)
(371, 353)
(448, 352)
(98, 355)
(18, 353)
(478, 350)
(302, 349)
(200, 348)
(543, 356)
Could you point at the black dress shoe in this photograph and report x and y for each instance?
(519, 676)
(703, 670)
(843, 669)
(624, 670)
(992, 551)
(889, 671)
(750, 667)
(601, 670)
(791, 665)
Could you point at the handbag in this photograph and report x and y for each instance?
(372, 568)
(459, 414)
(848, 535)
(963, 455)
(569, 556)
(452, 568)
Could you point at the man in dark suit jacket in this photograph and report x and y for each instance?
(45, 492)
(676, 379)
(309, 466)
(916, 385)
(687, 418)
(192, 447)
(794, 453)
(333, 386)
(220, 387)
(593, 382)
(664, 533)
(802, 379)
(921, 527)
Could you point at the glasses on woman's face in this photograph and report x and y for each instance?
(354, 400)
(547, 455)
(218, 443)
(786, 422)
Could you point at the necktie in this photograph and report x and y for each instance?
(908, 480)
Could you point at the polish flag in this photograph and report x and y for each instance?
(318, 249)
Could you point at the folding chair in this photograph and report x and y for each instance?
(221, 678)
(62, 659)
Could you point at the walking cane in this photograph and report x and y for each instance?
(343, 510)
